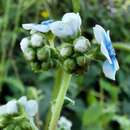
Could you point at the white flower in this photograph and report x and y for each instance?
(31, 107)
(3, 110)
(24, 44)
(110, 66)
(43, 27)
(68, 26)
(81, 44)
(64, 123)
(36, 40)
(11, 107)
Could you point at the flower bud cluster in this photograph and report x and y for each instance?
(70, 55)
(73, 55)
(18, 114)
(38, 52)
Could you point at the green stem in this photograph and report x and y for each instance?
(122, 46)
(57, 106)
(58, 79)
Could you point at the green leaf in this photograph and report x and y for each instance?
(92, 114)
(111, 89)
(15, 84)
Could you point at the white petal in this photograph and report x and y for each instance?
(36, 40)
(28, 26)
(105, 52)
(36, 27)
(24, 44)
(31, 107)
(41, 28)
(74, 20)
(23, 100)
(109, 70)
(3, 110)
(61, 29)
(11, 107)
(98, 32)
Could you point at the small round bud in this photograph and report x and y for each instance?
(24, 44)
(43, 53)
(45, 65)
(66, 51)
(32, 93)
(81, 44)
(69, 65)
(35, 66)
(81, 60)
(36, 40)
(29, 54)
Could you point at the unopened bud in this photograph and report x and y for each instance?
(81, 44)
(36, 40)
(45, 66)
(69, 65)
(29, 54)
(66, 51)
(43, 53)
(24, 44)
(35, 66)
(81, 60)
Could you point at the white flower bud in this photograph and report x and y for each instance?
(3, 110)
(24, 44)
(81, 44)
(66, 51)
(29, 54)
(11, 107)
(36, 40)
(64, 123)
(31, 107)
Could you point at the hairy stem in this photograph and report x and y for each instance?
(57, 105)
(58, 79)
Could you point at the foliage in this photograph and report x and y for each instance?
(100, 104)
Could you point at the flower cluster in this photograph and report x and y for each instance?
(64, 124)
(43, 52)
(19, 114)
(38, 52)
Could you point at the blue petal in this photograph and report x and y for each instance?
(109, 70)
(47, 22)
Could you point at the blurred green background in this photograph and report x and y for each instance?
(100, 104)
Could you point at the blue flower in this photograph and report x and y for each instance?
(43, 27)
(110, 66)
